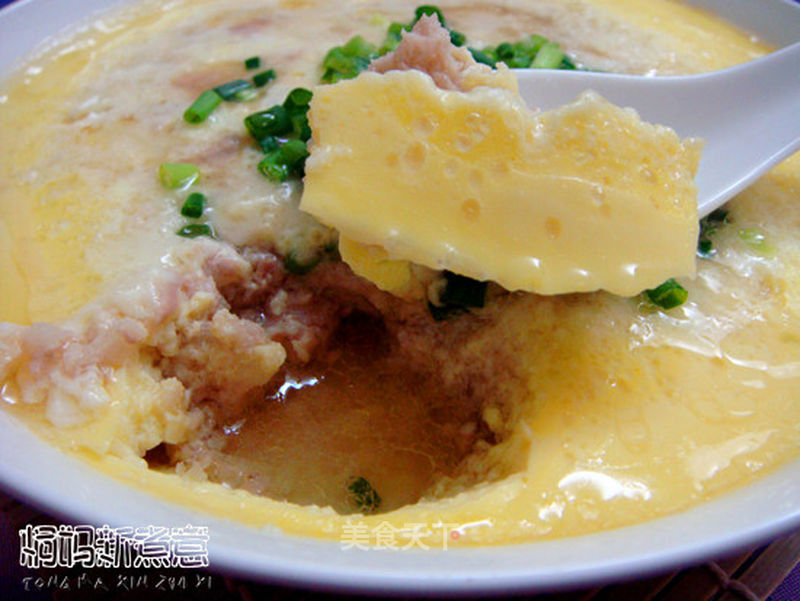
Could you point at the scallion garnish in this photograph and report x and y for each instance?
(347, 61)
(202, 107)
(363, 496)
(193, 206)
(429, 9)
(457, 38)
(194, 230)
(567, 64)
(245, 95)
(288, 159)
(300, 126)
(263, 78)
(482, 57)
(272, 167)
(549, 56)
(394, 34)
(293, 152)
(299, 265)
(233, 90)
(296, 105)
(668, 295)
(506, 52)
(299, 98)
(705, 248)
(519, 55)
(271, 122)
(251, 63)
(460, 293)
(282, 132)
(757, 240)
(177, 175)
(534, 51)
(708, 227)
(268, 143)
(238, 90)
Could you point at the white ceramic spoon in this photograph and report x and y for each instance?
(748, 115)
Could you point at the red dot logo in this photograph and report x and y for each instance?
(455, 534)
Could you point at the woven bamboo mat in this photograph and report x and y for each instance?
(750, 576)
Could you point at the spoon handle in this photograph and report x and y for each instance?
(748, 115)
(752, 123)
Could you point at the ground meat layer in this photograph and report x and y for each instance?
(372, 387)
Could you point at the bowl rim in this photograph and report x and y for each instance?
(652, 547)
(649, 548)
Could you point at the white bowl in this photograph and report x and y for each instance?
(43, 476)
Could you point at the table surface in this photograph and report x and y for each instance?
(760, 574)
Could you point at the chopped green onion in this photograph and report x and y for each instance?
(520, 55)
(193, 206)
(297, 104)
(342, 67)
(301, 127)
(395, 30)
(567, 64)
(457, 38)
(269, 143)
(202, 107)
(429, 9)
(757, 240)
(263, 78)
(245, 95)
(520, 58)
(481, 56)
(347, 61)
(299, 265)
(460, 293)
(194, 230)
(535, 51)
(177, 175)
(229, 90)
(548, 57)
(293, 152)
(272, 122)
(752, 236)
(532, 44)
(299, 98)
(718, 216)
(668, 295)
(708, 227)
(287, 159)
(285, 156)
(253, 62)
(394, 34)
(365, 498)
(705, 248)
(504, 51)
(273, 168)
(358, 46)
(336, 60)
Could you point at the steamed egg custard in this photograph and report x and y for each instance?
(172, 317)
(469, 179)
